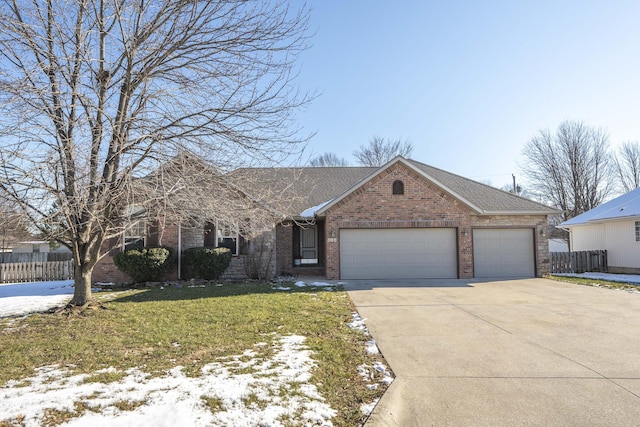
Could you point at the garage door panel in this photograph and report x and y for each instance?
(398, 253)
(503, 253)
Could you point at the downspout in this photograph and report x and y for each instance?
(179, 250)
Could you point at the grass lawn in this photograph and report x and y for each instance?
(156, 330)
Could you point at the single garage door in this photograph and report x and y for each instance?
(407, 253)
(503, 253)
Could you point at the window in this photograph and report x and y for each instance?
(134, 236)
(398, 187)
(637, 231)
(227, 237)
(209, 233)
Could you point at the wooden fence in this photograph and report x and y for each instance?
(36, 271)
(10, 257)
(578, 262)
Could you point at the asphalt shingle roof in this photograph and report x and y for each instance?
(488, 199)
(302, 188)
(311, 186)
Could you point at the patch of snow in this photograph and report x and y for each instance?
(357, 322)
(372, 375)
(367, 408)
(175, 399)
(322, 285)
(282, 288)
(300, 284)
(371, 347)
(311, 212)
(365, 373)
(17, 299)
(632, 279)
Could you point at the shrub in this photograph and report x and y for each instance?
(146, 264)
(207, 263)
(259, 262)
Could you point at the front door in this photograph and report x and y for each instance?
(309, 245)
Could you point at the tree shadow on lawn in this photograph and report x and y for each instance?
(189, 291)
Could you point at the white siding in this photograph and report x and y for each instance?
(617, 237)
(588, 237)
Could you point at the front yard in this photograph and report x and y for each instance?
(200, 354)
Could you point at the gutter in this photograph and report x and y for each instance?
(179, 250)
(550, 212)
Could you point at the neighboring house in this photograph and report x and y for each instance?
(34, 246)
(402, 220)
(613, 226)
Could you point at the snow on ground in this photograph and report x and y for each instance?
(303, 284)
(370, 373)
(17, 299)
(247, 389)
(624, 278)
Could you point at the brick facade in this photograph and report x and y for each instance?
(538, 223)
(106, 271)
(423, 205)
(189, 237)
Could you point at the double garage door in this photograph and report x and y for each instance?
(431, 253)
(398, 253)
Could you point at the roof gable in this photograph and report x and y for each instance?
(480, 198)
(627, 205)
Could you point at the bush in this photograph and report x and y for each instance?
(207, 263)
(146, 264)
(258, 263)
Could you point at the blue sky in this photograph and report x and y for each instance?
(470, 82)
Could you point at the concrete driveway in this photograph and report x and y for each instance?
(528, 352)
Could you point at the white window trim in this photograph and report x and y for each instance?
(127, 233)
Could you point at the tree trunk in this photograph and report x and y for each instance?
(82, 284)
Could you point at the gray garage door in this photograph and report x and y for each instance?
(408, 253)
(503, 253)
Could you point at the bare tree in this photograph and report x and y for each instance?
(571, 168)
(627, 165)
(381, 150)
(13, 226)
(327, 159)
(518, 190)
(97, 93)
